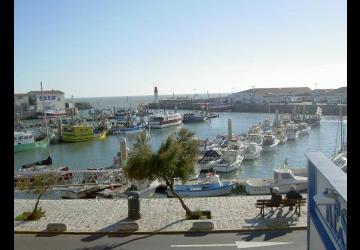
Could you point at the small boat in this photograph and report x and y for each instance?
(164, 120)
(26, 141)
(78, 193)
(303, 128)
(252, 151)
(270, 143)
(194, 117)
(210, 115)
(340, 160)
(283, 179)
(128, 129)
(213, 186)
(292, 132)
(230, 160)
(314, 120)
(47, 161)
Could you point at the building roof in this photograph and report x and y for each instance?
(20, 94)
(279, 91)
(45, 92)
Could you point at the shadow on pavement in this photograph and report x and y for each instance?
(95, 237)
(268, 235)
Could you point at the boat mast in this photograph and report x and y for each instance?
(46, 127)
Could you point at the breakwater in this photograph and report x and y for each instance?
(327, 109)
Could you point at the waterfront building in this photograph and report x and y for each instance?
(271, 95)
(53, 100)
(327, 204)
(330, 96)
(21, 100)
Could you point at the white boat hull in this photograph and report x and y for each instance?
(157, 125)
(228, 167)
(225, 190)
(260, 187)
(271, 147)
(292, 135)
(252, 155)
(304, 131)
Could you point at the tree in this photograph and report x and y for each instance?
(39, 185)
(175, 158)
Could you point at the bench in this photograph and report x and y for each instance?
(297, 203)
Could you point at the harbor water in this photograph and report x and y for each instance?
(99, 153)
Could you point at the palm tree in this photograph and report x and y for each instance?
(176, 157)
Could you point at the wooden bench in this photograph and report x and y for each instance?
(297, 203)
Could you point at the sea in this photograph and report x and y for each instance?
(100, 153)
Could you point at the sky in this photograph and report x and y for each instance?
(90, 48)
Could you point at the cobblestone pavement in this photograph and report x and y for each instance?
(165, 215)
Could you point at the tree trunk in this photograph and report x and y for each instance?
(188, 211)
(36, 206)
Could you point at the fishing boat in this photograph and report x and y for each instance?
(77, 133)
(314, 120)
(164, 120)
(230, 161)
(292, 132)
(251, 151)
(270, 143)
(194, 117)
(283, 178)
(303, 128)
(210, 115)
(212, 186)
(25, 140)
(209, 159)
(256, 138)
(78, 193)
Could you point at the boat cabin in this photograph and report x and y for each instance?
(283, 175)
(23, 138)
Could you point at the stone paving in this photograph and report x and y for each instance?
(164, 215)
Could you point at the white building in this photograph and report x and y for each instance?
(21, 100)
(270, 95)
(331, 96)
(53, 99)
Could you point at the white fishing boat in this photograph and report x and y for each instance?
(270, 143)
(212, 186)
(340, 160)
(303, 128)
(251, 151)
(165, 120)
(256, 138)
(292, 132)
(283, 179)
(230, 160)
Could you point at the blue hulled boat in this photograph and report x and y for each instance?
(213, 187)
(194, 117)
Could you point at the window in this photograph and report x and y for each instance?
(286, 176)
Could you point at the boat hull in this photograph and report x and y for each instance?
(29, 146)
(263, 187)
(164, 125)
(212, 190)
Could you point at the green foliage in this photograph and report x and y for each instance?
(30, 215)
(176, 157)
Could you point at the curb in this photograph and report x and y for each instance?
(243, 230)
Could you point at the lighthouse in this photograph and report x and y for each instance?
(156, 95)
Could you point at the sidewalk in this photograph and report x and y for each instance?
(161, 215)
